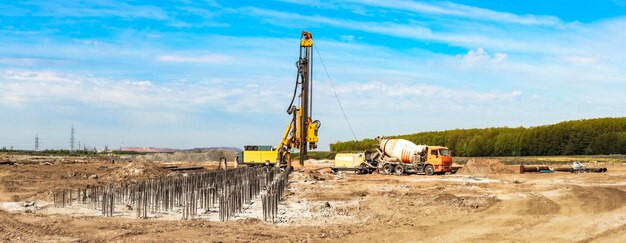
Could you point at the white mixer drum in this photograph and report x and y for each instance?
(401, 149)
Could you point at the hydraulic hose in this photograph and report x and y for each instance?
(295, 89)
(293, 98)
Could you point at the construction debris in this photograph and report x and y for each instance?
(576, 167)
(7, 162)
(186, 168)
(534, 168)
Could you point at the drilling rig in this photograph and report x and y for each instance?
(301, 132)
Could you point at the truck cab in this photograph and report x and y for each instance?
(440, 158)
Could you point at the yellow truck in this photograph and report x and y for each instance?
(358, 162)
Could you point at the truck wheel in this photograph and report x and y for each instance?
(362, 170)
(399, 170)
(429, 170)
(387, 169)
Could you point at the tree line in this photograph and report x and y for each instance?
(579, 137)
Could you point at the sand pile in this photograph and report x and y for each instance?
(486, 166)
(138, 169)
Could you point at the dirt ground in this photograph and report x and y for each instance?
(344, 207)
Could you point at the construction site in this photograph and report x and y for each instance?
(384, 189)
(97, 200)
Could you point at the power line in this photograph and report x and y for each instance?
(335, 92)
(72, 139)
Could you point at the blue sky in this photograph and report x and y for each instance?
(190, 73)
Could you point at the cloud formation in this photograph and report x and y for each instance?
(480, 55)
(211, 58)
(460, 10)
(226, 69)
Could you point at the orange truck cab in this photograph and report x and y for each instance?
(440, 158)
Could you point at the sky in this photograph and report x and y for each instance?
(187, 73)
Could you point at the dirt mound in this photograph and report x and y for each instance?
(322, 174)
(599, 199)
(486, 166)
(312, 175)
(540, 205)
(138, 169)
(204, 156)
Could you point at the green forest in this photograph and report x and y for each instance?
(580, 137)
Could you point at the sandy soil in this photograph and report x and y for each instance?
(321, 206)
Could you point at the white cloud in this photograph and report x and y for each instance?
(387, 93)
(480, 55)
(31, 87)
(580, 60)
(347, 38)
(460, 10)
(313, 3)
(416, 31)
(27, 61)
(499, 57)
(98, 9)
(444, 8)
(211, 58)
(574, 38)
(41, 76)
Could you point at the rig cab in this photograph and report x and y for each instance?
(258, 155)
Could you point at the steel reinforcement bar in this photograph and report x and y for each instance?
(223, 191)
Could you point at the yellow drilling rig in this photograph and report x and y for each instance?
(301, 133)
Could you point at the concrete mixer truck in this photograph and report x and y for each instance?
(400, 156)
(397, 156)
